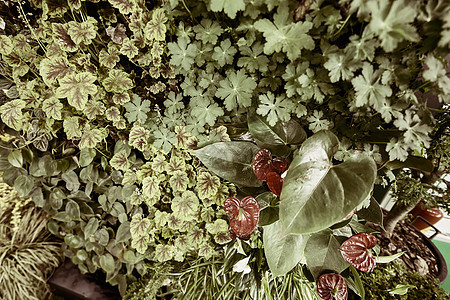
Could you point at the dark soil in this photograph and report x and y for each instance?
(417, 257)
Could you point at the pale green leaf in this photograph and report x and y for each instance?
(283, 251)
(317, 194)
(77, 87)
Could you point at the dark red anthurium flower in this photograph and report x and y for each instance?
(243, 215)
(274, 182)
(356, 251)
(332, 287)
(263, 164)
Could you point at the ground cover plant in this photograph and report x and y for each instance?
(160, 135)
(29, 252)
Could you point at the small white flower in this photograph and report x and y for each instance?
(242, 266)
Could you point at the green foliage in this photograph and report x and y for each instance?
(386, 280)
(28, 260)
(168, 76)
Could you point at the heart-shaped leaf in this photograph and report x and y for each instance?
(322, 253)
(355, 251)
(243, 214)
(274, 182)
(231, 161)
(275, 138)
(332, 287)
(283, 251)
(316, 194)
(261, 163)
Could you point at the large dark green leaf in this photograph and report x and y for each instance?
(269, 211)
(373, 213)
(315, 193)
(283, 251)
(412, 162)
(275, 138)
(231, 161)
(322, 254)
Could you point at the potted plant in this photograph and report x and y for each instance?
(148, 130)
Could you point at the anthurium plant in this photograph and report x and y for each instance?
(178, 131)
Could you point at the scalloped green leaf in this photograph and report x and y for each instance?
(91, 137)
(156, 28)
(185, 206)
(139, 226)
(77, 87)
(207, 185)
(53, 108)
(231, 161)
(179, 181)
(117, 81)
(72, 127)
(230, 7)
(120, 161)
(83, 32)
(283, 251)
(54, 68)
(317, 194)
(62, 38)
(11, 113)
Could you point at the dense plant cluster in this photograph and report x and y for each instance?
(135, 121)
(393, 281)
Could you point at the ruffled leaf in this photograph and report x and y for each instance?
(11, 113)
(77, 88)
(356, 252)
(243, 214)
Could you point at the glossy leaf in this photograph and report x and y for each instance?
(275, 138)
(332, 287)
(15, 158)
(388, 259)
(358, 285)
(123, 232)
(322, 253)
(373, 213)
(243, 214)
(73, 210)
(23, 185)
(355, 251)
(317, 194)
(412, 162)
(274, 182)
(231, 161)
(283, 251)
(261, 163)
(87, 156)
